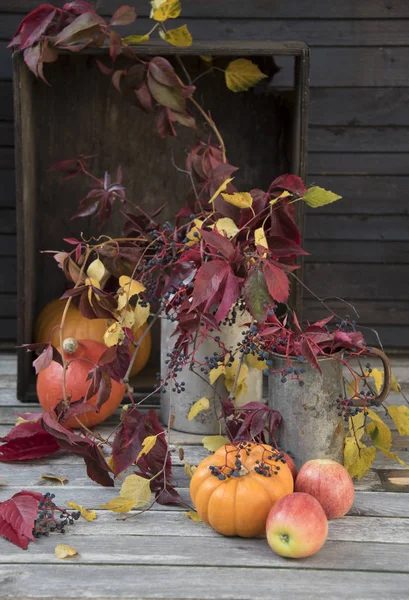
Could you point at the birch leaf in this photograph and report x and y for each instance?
(137, 488)
(88, 515)
(380, 434)
(239, 199)
(189, 469)
(165, 9)
(214, 442)
(141, 315)
(260, 237)
(133, 40)
(147, 445)
(357, 460)
(395, 385)
(192, 514)
(221, 189)
(198, 407)
(193, 235)
(114, 335)
(226, 226)
(120, 505)
(63, 551)
(316, 196)
(254, 363)
(215, 373)
(129, 288)
(357, 425)
(53, 477)
(394, 456)
(400, 416)
(96, 270)
(242, 74)
(180, 37)
(377, 376)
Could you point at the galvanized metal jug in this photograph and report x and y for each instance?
(311, 427)
(207, 422)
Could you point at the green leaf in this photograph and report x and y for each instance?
(316, 196)
(400, 416)
(256, 294)
(214, 442)
(242, 74)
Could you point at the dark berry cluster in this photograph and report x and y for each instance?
(52, 518)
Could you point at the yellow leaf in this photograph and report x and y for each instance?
(351, 390)
(221, 189)
(111, 463)
(239, 199)
(21, 420)
(137, 488)
(316, 196)
(380, 434)
(357, 425)
(231, 372)
(198, 407)
(120, 505)
(63, 551)
(52, 477)
(226, 226)
(147, 445)
(165, 9)
(395, 385)
(129, 288)
(127, 318)
(114, 335)
(377, 376)
(133, 40)
(141, 315)
(260, 237)
(394, 456)
(242, 74)
(215, 373)
(189, 469)
(194, 234)
(240, 394)
(206, 58)
(214, 442)
(192, 514)
(96, 270)
(88, 515)
(400, 416)
(254, 363)
(180, 37)
(357, 461)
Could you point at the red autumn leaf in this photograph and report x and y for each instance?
(291, 183)
(230, 295)
(82, 23)
(277, 282)
(215, 240)
(78, 7)
(17, 517)
(309, 354)
(115, 45)
(33, 26)
(208, 282)
(125, 15)
(49, 354)
(323, 322)
(281, 247)
(27, 441)
(128, 443)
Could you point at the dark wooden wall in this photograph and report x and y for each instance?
(358, 140)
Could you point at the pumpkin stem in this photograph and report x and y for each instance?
(70, 345)
(243, 471)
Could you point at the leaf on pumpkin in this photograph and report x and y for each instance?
(316, 196)
(214, 442)
(88, 515)
(221, 189)
(189, 469)
(96, 270)
(400, 416)
(147, 445)
(198, 407)
(357, 460)
(134, 40)
(114, 335)
(242, 74)
(192, 514)
(239, 199)
(63, 551)
(53, 477)
(180, 37)
(165, 9)
(226, 226)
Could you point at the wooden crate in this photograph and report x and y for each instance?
(265, 131)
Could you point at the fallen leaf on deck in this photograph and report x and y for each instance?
(192, 514)
(63, 551)
(52, 477)
(89, 515)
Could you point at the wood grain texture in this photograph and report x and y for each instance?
(357, 227)
(343, 251)
(350, 163)
(358, 139)
(380, 312)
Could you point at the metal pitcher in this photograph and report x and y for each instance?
(311, 426)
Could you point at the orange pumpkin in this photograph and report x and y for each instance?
(234, 489)
(79, 356)
(79, 327)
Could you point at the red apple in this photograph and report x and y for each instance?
(291, 465)
(296, 526)
(330, 483)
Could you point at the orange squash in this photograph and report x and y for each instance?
(234, 489)
(79, 327)
(79, 356)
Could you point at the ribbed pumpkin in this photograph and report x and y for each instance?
(50, 388)
(234, 489)
(79, 327)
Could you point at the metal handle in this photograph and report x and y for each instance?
(387, 370)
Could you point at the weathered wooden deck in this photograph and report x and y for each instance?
(163, 554)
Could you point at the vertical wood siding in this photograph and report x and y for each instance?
(358, 142)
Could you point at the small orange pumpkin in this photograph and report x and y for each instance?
(234, 489)
(80, 355)
(79, 327)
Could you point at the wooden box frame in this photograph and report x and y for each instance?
(34, 188)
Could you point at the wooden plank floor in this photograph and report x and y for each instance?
(163, 554)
